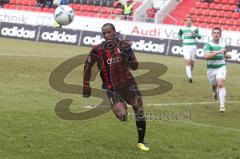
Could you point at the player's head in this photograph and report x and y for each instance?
(188, 21)
(216, 33)
(109, 31)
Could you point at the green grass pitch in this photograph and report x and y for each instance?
(30, 128)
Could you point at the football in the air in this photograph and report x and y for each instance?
(64, 15)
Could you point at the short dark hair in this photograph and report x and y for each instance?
(217, 28)
(109, 24)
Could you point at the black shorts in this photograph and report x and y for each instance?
(128, 94)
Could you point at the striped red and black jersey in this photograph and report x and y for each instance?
(113, 64)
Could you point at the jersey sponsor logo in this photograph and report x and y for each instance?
(88, 40)
(114, 60)
(59, 37)
(142, 45)
(19, 32)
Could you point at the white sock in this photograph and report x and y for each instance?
(188, 71)
(222, 95)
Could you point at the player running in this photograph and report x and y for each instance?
(215, 55)
(114, 58)
(188, 35)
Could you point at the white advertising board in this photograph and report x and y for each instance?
(129, 28)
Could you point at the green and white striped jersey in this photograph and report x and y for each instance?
(189, 39)
(218, 60)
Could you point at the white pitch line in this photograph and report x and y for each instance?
(189, 103)
(41, 56)
(167, 104)
(209, 126)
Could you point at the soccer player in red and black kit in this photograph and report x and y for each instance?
(114, 58)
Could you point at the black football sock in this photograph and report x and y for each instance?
(141, 126)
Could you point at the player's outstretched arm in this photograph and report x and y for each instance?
(210, 55)
(90, 61)
(132, 60)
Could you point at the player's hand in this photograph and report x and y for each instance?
(86, 91)
(193, 32)
(223, 51)
(125, 44)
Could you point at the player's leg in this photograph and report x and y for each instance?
(211, 74)
(119, 108)
(186, 54)
(221, 76)
(132, 96)
(192, 57)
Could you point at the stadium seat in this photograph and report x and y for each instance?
(217, 1)
(212, 6)
(233, 2)
(226, 27)
(225, 1)
(230, 22)
(236, 15)
(219, 6)
(91, 8)
(198, 4)
(199, 11)
(213, 13)
(201, 19)
(227, 14)
(222, 21)
(206, 12)
(221, 14)
(215, 20)
(97, 8)
(207, 19)
(118, 11)
(192, 11)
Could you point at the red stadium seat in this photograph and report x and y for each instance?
(194, 18)
(196, 24)
(236, 15)
(200, 19)
(118, 11)
(211, 26)
(237, 22)
(84, 7)
(192, 11)
(198, 4)
(226, 7)
(212, 6)
(217, 1)
(206, 12)
(226, 27)
(220, 13)
(225, 1)
(204, 5)
(219, 6)
(233, 28)
(111, 16)
(222, 21)
(215, 20)
(76, 7)
(233, 2)
(227, 14)
(198, 11)
(91, 8)
(97, 9)
(230, 22)
(208, 19)
(13, 2)
(213, 13)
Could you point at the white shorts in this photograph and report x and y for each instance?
(214, 74)
(189, 53)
